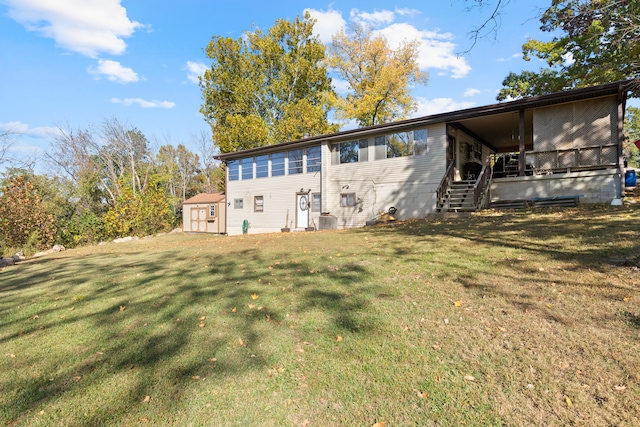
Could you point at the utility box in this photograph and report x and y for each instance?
(327, 222)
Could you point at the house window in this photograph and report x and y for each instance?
(295, 162)
(258, 204)
(314, 159)
(246, 166)
(277, 164)
(351, 152)
(347, 199)
(212, 210)
(238, 203)
(401, 144)
(262, 166)
(232, 167)
(315, 202)
(420, 142)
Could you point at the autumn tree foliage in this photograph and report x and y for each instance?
(379, 77)
(595, 42)
(23, 219)
(267, 87)
(139, 214)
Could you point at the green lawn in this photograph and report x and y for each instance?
(497, 319)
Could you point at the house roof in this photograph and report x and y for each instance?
(204, 198)
(491, 123)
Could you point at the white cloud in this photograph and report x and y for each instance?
(127, 102)
(514, 56)
(327, 23)
(435, 50)
(471, 92)
(407, 12)
(195, 70)
(20, 128)
(374, 18)
(341, 86)
(427, 107)
(114, 71)
(88, 27)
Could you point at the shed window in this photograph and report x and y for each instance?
(238, 203)
(258, 204)
(212, 210)
(347, 199)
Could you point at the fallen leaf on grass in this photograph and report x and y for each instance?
(233, 310)
(469, 378)
(379, 424)
(569, 402)
(457, 303)
(196, 377)
(436, 347)
(254, 296)
(35, 317)
(213, 359)
(339, 338)
(122, 308)
(620, 387)
(421, 394)
(146, 399)
(241, 342)
(629, 298)
(201, 324)
(202, 318)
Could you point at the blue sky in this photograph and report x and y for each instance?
(79, 62)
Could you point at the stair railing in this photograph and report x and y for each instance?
(483, 182)
(444, 184)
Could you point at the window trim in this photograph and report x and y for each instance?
(348, 200)
(258, 207)
(316, 206)
(215, 211)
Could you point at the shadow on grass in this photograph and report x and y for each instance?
(156, 321)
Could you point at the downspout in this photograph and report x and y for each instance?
(226, 200)
(622, 92)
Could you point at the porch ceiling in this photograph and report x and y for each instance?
(500, 131)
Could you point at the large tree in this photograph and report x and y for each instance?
(379, 77)
(596, 41)
(265, 88)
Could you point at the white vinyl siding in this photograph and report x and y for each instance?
(408, 183)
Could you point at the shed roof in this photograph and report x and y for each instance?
(204, 198)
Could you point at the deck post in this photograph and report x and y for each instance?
(522, 156)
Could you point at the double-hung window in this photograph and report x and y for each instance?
(295, 161)
(314, 159)
(233, 170)
(277, 164)
(246, 165)
(262, 166)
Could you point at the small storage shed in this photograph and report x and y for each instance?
(204, 213)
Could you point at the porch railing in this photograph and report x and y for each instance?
(555, 161)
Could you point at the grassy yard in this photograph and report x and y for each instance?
(525, 318)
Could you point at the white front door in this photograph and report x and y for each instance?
(302, 217)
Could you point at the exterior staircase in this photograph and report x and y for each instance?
(458, 197)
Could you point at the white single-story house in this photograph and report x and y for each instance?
(205, 213)
(565, 146)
